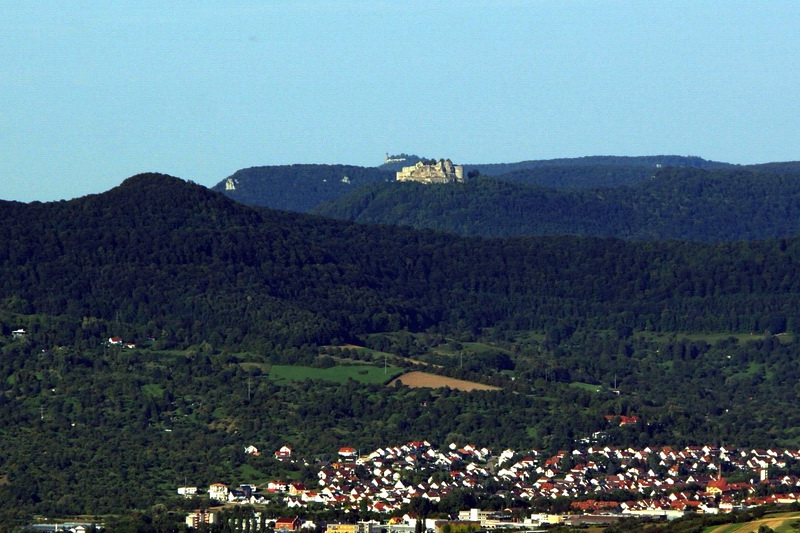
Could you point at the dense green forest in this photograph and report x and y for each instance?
(578, 177)
(698, 339)
(672, 203)
(160, 256)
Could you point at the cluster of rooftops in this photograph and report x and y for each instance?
(656, 480)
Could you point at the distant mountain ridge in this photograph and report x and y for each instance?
(673, 203)
(647, 197)
(302, 187)
(655, 161)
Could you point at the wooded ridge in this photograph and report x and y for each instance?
(672, 203)
(158, 253)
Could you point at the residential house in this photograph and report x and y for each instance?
(218, 491)
(348, 454)
(287, 524)
(284, 454)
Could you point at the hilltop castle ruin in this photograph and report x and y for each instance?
(442, 171)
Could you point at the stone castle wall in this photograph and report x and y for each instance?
(443, 171)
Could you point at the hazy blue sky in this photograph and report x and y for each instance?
(94, 92)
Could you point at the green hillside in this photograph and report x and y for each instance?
(673, 203)
(208, 294)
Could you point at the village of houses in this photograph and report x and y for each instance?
(657, 482)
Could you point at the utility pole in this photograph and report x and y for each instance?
(249, 386)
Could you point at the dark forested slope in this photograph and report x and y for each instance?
(673, 203)
(298, 187)
(158, 255)
(598, 163)
(579, 176)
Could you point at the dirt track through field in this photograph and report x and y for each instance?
(432, 381)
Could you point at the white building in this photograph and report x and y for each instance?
(187, 491)
(218, 491)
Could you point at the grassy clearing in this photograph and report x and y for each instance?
(246, 356)
(480, 348)
(710, 338)
(477, 348)
(586, 386)
(153, 390)
(249, 365)
(340, 374)
(754, 369)
(164, 353)
(364, 350)
(256, 476)
(528, 337)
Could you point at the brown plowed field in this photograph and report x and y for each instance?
(432, 381)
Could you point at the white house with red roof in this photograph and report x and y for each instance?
(347, 454)
(284, 454)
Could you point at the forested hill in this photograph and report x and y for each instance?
(599, 163)
(786, 167)
(160, 257)
(674, 203)
(301, 188)
(298, 187)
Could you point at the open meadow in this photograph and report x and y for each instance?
(340, 374)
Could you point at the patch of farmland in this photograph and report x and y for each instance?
(425, 379)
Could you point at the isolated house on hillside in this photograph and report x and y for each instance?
(284, 454)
